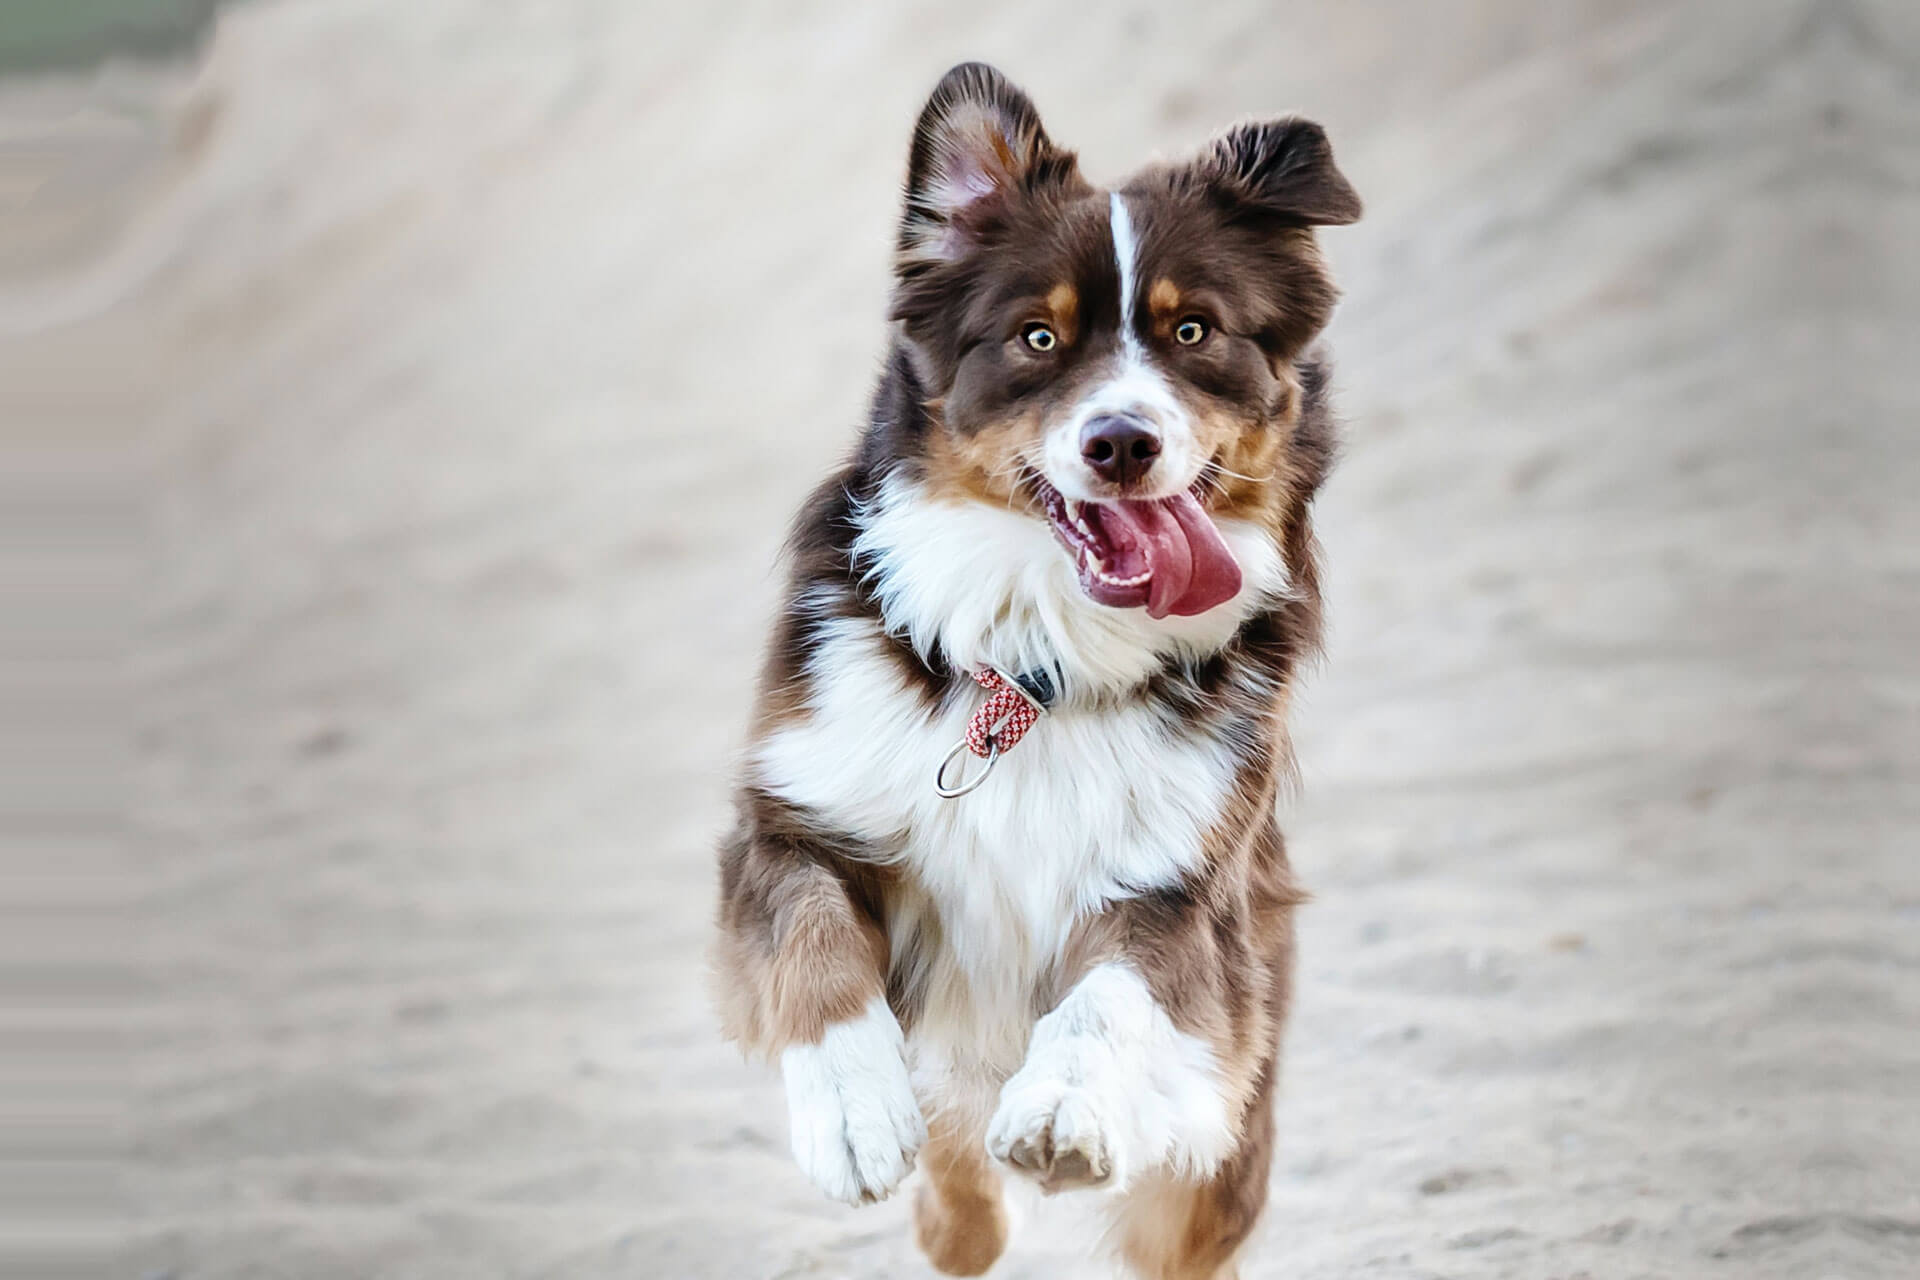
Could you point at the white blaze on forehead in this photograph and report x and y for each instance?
(1134, 387)
(1125, 250)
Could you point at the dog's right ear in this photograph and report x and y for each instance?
(978, 144)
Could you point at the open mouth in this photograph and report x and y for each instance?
(1164, 553)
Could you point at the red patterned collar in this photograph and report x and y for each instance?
(1014, 705)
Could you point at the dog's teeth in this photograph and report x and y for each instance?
(1073, 510)
(1113, 580)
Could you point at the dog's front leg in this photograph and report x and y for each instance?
(854, 1123)
(805, 971)
(1112, 1089)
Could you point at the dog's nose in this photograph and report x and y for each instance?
(1119, 448)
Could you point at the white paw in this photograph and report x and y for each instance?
(856, 1126)
(1110, 1090)
(1062, 1134)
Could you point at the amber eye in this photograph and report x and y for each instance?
(1190, 331)
(1039, 338)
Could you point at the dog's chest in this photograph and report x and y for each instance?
(1092, 805)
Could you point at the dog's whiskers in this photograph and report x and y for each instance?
(1219, 471)
(1020, 464)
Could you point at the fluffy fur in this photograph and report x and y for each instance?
(856, 1126)
(1078, 973)
(1111, 1088)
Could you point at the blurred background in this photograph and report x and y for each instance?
(422, 390)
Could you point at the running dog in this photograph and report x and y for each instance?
(1007, 893)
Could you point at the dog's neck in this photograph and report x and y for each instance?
(985, 586)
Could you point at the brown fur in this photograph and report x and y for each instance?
(1163, 300)
(975, 467)
(808, 915)
(1177, 1230)
(959, 1218)
(1063, 309)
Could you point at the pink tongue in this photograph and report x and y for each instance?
(1191, 566)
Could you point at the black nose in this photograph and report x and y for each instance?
(1119, 448)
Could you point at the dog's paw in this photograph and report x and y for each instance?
(856, 1126)
(1063, 1135)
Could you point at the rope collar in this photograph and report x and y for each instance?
(1013, 706)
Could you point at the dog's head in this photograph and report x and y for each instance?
(1119, 363)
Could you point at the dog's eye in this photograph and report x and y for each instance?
(1039, 338)
(1190, 331)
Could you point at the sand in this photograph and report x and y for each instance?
(474, 357)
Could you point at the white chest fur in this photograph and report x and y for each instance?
(1102, 799)
(1090, 806)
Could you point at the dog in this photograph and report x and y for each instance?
(1007, 893)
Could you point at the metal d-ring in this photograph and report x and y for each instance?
(955, 792)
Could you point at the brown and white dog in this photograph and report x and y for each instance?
(1088, 471)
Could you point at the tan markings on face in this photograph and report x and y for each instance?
(1063, 301)
(1251, 457)
(1254, 480)
(984, 465)
(1164, 305)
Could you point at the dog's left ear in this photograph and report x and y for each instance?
(1282, 169)
(979, 144)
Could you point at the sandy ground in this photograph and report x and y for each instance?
(477, 355)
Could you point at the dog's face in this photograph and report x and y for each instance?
(1117, 363)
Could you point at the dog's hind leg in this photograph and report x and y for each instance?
(959, 1220)
(1175, 1229)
